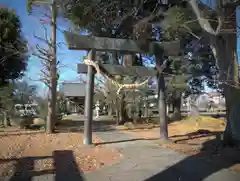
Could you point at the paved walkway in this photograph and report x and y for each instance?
(145, 161)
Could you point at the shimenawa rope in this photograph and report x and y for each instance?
(119, 85)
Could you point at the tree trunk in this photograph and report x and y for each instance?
(122, 110)
(6, 121)
(138, 110)
(167, 110)
(49, 126)
(232, 130)
(146, 108)
(224, 48)
(110, 109)
(51, 120)
(117, 110)
(130, 112)
(123, 116)
(232, 96)
(177, 108)
(162, 108)
(231, 89)
(161, 97)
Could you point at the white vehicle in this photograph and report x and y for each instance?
(26, 108)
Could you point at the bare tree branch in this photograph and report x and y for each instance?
(203, 22)
(48, 42)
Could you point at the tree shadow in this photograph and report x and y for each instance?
(211, 159)
(65, 166)
(123, 141)
(24, 168)
(21, 132)
(78, 126)
(64, 126)
(201, 133)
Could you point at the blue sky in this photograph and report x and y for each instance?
(30, 26)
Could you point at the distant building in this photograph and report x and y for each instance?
(75, 94)
(71, 90)
(216, 97)
(202, 101)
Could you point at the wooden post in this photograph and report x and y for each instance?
(89, 101)
(161, 97)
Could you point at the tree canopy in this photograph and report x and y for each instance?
(24, 93)
(175, 21)
(13, 47)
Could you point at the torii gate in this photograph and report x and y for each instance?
(93, 43)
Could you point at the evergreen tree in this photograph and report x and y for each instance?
(13, 47)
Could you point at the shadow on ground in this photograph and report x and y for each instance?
(20, 132)
(123, 141)
(211, 159)
(65, 167)
(78, 126)
(62, 126)
(201, 133)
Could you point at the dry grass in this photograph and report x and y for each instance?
(14, 147)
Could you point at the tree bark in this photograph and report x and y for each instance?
(177, 108)
(110, 109)
(224, 47)
(162, 108)
(6, 121)
(167, 110)
(117, 110)
(232, 133)
(161, 97)
(51, 119)
(122, 110)
(123, 116)
(146, 107)
(49, 123)
(225, 50)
